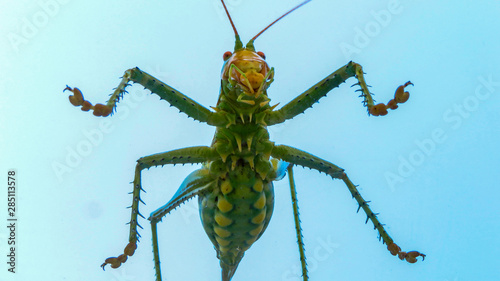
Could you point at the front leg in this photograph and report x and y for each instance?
(174, 97)
(316, 92)
(302, 158)
(189, 155)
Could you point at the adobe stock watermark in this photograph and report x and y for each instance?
(30, 26)
(363, 36)
(454, 117)
(94, 137)
(319, 254)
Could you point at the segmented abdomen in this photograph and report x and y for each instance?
(236, 213)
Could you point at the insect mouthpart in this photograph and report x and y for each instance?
(249, 74)
(247, 69)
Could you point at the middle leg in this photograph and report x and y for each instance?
(189, 155)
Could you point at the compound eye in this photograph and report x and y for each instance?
(227, 55)
(261, 54)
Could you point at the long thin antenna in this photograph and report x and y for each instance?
(258, 34)
(238, 44)
(229, 16)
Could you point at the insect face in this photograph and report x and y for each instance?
(247, 69)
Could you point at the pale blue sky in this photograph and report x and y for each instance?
(429, 167)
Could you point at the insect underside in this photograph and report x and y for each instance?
(235, 183)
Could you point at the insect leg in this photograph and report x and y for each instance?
(305, 159)
(316, 92)
(174, 97)
(189, 155)
(156, 251)
(411, 256)
(196, 182)
(298, 229)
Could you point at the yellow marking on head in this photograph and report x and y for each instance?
(258, 219)
(221, 232)
(261, 202)
(224, 205)
(222, 220)
(258, 185)
(226, 187)
(256, 231)
(222, 242)
(247, 81)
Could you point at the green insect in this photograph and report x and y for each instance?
(235, 184)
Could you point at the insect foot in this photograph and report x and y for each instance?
(410, 257)
(399, 97)
(77, 100)
(115, 262)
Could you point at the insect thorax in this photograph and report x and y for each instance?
(238, 207)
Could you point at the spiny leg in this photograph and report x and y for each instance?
(302, 158)
(298, 229)
(174, 97)
(196, 182)
(316, 92)
(189, 155)
(156, 251)
(411, 256)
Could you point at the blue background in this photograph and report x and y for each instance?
(429, 167)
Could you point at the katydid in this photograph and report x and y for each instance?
(234, 186)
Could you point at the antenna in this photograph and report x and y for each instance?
(298, 6)
(230, 20)
(238, 44)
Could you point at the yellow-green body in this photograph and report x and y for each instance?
(235, 184)
(237, 207)
(235, 214)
